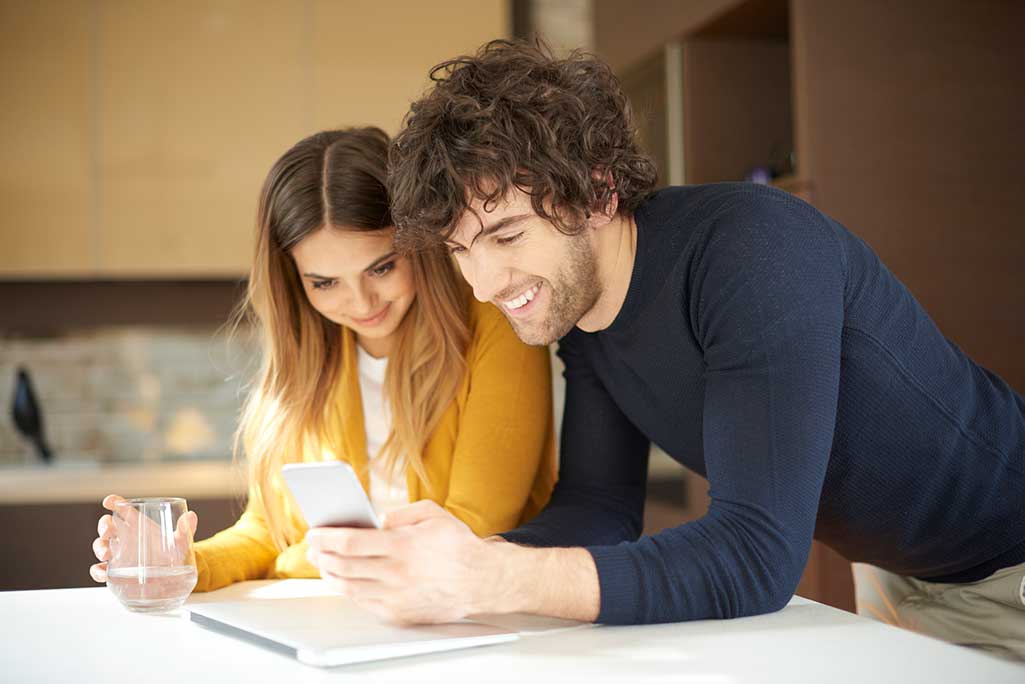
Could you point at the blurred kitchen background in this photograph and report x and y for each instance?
(135, 136)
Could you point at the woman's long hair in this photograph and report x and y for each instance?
(337, 179)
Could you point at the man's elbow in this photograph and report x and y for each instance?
(777, 600)
(774, 596)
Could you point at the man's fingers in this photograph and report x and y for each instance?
(359, 590)
(378, 569)
(101, 549)
(414, 513)
(98, 572)
(349, 541)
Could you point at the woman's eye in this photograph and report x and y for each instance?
(509, 240)
(455, 250)
(322, 284)
(383, 269)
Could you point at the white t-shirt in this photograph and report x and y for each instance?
(386, 493)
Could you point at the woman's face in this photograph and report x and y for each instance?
(355, 279)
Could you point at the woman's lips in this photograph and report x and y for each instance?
(373, 320)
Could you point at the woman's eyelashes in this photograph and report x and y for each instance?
(383, 269)
(376, 272)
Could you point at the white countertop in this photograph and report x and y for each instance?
(90, 482)
(84, 635)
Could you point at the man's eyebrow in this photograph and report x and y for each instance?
(493, 228)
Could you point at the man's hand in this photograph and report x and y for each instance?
(423, 566)
(426, 565)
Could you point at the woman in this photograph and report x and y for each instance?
(379, 359)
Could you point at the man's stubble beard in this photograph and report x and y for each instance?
(574, 293)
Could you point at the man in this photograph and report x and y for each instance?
(754, 339)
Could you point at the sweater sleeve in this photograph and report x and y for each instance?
(244, 551)
(603, 466)
(505, 434)
(766, 305)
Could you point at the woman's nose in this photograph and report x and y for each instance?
(361, 301)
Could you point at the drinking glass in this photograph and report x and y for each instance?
(152, 567)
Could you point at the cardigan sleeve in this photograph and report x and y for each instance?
(506, 438)
(244, 551)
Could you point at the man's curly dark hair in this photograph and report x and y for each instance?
(513, 115)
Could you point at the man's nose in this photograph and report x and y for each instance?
(484, 277)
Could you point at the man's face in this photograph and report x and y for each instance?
(542, 280)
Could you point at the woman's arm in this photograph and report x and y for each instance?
(244, 551)
(504, 453)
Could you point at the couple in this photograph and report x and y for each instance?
(754, 339)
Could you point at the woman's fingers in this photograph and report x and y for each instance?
(104, 526)
(111, 500)
(101, 545)
(186, 527)
(127, 514)
(101, 549)
(184, 532)
(192, 520)
(98, 572)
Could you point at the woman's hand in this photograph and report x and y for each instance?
(184, 531)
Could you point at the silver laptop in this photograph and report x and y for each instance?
(329, 630)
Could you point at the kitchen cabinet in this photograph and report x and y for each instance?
(138, 134)
(52, 542)
(48, 215)
(48, 514)
(903, 123)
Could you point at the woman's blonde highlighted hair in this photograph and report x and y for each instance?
(337, 179)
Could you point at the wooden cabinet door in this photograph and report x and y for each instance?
(137, 134)
(196, 101)
(371, 58)
(47, 215)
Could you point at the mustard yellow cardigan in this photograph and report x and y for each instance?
(490, 462)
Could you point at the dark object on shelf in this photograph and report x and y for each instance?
(782, 163)
(27, 417)
(759, 174)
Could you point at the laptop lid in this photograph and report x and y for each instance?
(330, 630)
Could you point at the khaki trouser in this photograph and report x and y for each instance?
(988, 614)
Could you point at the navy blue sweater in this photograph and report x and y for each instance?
(766, 347)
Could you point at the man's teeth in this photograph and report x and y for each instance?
(523, 298)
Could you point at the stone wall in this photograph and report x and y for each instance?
(129, 393)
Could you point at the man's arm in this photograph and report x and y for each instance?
(559, 582)
(766, 304)
(426, 565)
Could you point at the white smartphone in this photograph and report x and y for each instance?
(330, 494)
